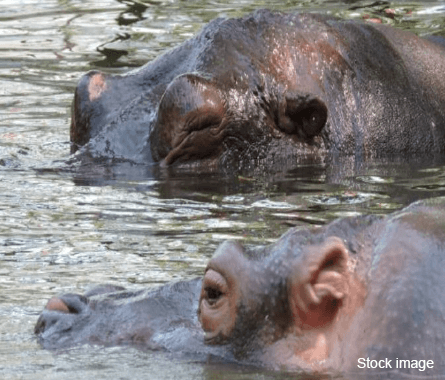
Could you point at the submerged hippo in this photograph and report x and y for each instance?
(267, 86)
(360, 294)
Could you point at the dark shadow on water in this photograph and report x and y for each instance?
(402, 178)
(340, 184)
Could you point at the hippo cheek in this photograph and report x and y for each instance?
(190, 122)
(217, 308)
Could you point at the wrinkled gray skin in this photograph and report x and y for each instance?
(392, 304)
(161, 319)
(268, 86)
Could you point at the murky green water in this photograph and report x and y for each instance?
(62, 232)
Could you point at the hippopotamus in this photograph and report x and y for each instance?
(269, 86)
(362, 293)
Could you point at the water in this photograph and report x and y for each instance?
(64, 232)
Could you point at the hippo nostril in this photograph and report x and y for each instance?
(68, 303)
(56, 304)
(40, 326)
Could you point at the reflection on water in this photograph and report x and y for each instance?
(135, 226)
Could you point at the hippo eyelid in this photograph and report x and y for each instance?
(203, 120)
(215, 287)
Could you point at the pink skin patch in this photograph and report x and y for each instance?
(57, 304)
(96, 86)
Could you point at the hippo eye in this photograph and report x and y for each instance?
(212, 295)
(203, 119)
(214, 289)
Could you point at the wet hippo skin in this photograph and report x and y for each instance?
(319, 299)
(266, 86)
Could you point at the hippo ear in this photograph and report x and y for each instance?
(319, 284)
(302, 115)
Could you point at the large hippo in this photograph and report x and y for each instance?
(359, 294)
(267, 86)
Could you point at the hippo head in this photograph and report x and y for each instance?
(286, 310)
(317, 300)
(269, 88)
(255, 92)
(241, 90)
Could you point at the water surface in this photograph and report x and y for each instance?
(64, 232)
